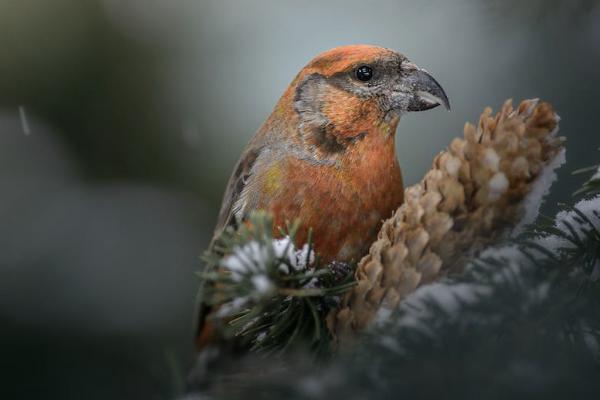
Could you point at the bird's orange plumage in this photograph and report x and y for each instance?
(343, 204)
(326, 155)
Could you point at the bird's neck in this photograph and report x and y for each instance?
(375, 151)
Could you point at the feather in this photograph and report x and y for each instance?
(234, 201)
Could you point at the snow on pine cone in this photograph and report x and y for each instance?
(477, 191)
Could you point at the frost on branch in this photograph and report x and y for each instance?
(266, 294)
(533, 302)
(574, 237)
(592, 186)
(476, 192)
(251, 266)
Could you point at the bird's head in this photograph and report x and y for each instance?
(346, 93)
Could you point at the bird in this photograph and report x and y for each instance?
(326, 154)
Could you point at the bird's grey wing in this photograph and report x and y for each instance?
(232, 206)
(231, 209)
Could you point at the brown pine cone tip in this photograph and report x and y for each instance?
(476, 192)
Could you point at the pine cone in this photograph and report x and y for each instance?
(476, 192)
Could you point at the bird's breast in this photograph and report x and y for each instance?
(343, 203)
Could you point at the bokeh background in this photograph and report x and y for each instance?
(121, 120)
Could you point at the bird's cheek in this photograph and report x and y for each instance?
(351, 116)
(340, 109)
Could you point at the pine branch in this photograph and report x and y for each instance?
(269, 296)
(592, 186)
(522, 319)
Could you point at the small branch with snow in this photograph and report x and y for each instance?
(266, 292)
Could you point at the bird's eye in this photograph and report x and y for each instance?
(364, 73)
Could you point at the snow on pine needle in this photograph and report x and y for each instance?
(256, 262)
(526, 303)
(266, 293)
(592, 186)
(574, 237)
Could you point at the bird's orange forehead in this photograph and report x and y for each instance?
(344, 58)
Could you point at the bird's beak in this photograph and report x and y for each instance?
(422, 90)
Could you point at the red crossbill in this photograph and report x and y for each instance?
(326, 154)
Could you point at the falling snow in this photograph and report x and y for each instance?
(24, 121)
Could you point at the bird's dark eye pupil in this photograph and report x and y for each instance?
(364, 73)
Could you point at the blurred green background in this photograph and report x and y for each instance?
(121, 120)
